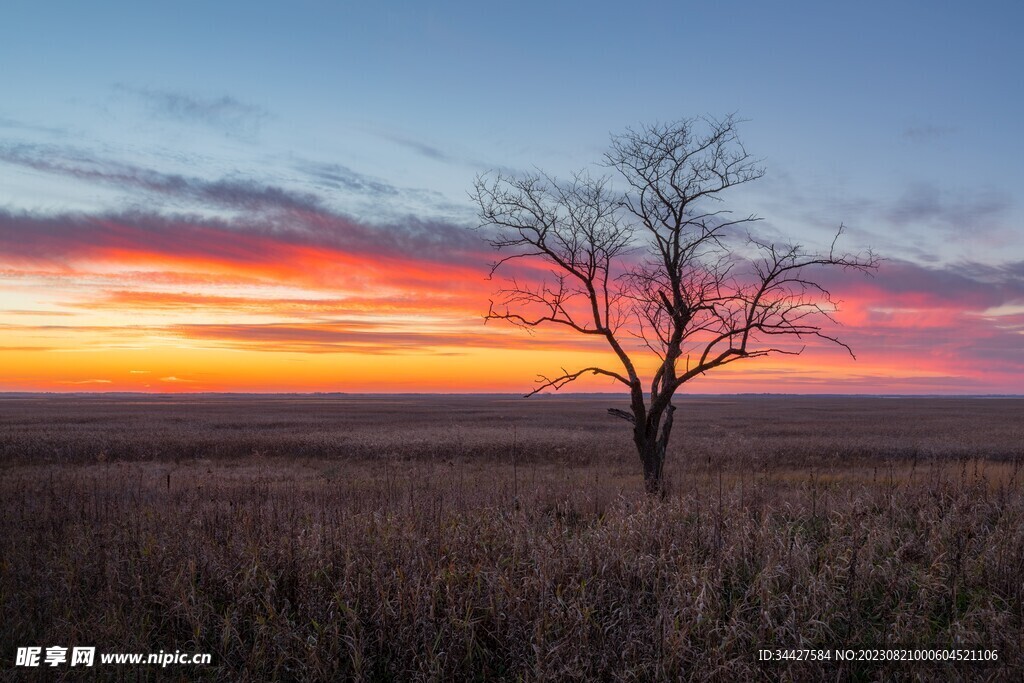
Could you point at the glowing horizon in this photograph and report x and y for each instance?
(139, 318)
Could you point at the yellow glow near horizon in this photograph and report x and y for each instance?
(266, 317)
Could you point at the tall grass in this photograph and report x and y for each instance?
(310, 568)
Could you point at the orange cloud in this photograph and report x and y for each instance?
(325, 304)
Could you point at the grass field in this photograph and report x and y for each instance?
(493, 538)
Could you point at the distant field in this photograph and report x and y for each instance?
(766, 431)
(492, 538)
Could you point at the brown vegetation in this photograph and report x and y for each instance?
(506, 539)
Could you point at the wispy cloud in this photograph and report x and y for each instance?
(453, 303)
(958, 320)
(925, 221)
(15, 124)
(320, 187)
(419, 147)
(222, 112)
(373, 336)
(337, 176)
(232, 193)
(332, 338)
(295, 238)
(926, 203)
(926, 132)
(435, 153)
(46, 313)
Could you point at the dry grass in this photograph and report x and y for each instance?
(448, 546)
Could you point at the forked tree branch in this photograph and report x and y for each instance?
(566, 377)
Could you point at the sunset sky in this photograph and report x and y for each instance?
(218, 196)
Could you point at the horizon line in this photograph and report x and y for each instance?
(581, 394)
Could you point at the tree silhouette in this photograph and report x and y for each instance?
(657, 267)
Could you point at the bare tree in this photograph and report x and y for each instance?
(657, 268)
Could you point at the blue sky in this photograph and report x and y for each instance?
(848, 96)
(900, 120)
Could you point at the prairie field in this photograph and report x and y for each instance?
(496, 538)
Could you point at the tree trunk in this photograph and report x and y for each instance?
(652, 445)
(651, 432)
(653, 460)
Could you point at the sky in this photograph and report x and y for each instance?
(273, 197)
